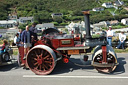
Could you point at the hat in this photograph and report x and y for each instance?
(122, 31)
(17, 34)
(34, 23)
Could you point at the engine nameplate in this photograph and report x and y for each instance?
(65, 42)
(71, 52)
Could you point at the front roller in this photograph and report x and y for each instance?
(104, 59)
(41, 59)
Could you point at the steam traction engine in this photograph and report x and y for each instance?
(53, 46)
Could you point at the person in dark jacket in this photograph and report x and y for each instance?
(20, 33)
(33, 31)
(26, 40)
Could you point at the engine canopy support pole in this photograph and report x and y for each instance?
(104, 54)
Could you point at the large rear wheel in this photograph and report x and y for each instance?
(41, 60)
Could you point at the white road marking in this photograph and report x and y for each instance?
(92, 77)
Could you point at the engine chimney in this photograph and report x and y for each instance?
(87, 24)
(89, 41)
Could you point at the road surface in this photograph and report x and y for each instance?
(66, 74)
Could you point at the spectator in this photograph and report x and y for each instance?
(20, 33)
(3, 47)
(33, 31)
(122, 38)
(0, 35)
(17, 40)
(26, 40)
(110, 34)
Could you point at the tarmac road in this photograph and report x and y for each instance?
(66, 74)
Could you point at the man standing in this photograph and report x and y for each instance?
(122, 38)
(17, 40)
(26, 40)
(110, 34)
(20, 33)
(33, 31)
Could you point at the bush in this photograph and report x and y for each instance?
(55, 23)
(2, 28)
(63, 24)
(96, 36)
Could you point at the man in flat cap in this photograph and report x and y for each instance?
(110, 34)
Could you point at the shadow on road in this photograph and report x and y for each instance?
(9, 67)
(69, 67)
(120, 68)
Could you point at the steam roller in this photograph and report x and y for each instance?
(54, 46)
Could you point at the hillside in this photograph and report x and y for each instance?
(42, 9)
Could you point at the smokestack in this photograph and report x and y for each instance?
(87, 24)
(89, 41)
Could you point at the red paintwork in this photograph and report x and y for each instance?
(39, 42)
(66, 60)
(57, 43)
(21, 53)
(104, 52)
(77, 37)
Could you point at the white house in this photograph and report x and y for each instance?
(8, 23)
(72, 27)
(8, 33)
(101, 24)
(124, 21)
(118, 3)
(98, 9)
(48, 25)
(12, 17)
(24, 20)
(56, 15)
(114, 22)
(107, 5)
(40, 27)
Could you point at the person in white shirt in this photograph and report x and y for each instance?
(17, 40)
(110, 34)
(122, 38)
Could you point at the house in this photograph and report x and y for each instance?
(114, 22)
(8, 33)
(24, 20)
(56, 15)
(107, 5)
(12, 17)
(73, 27)
(126, 8)
(118, 3)
(124, 21)
(40, 27)
(48, 25)
(98, 9)
(101, 24)
(8, 23)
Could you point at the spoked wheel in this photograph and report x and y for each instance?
(6, 57)
(111, 59)
(41, 60)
